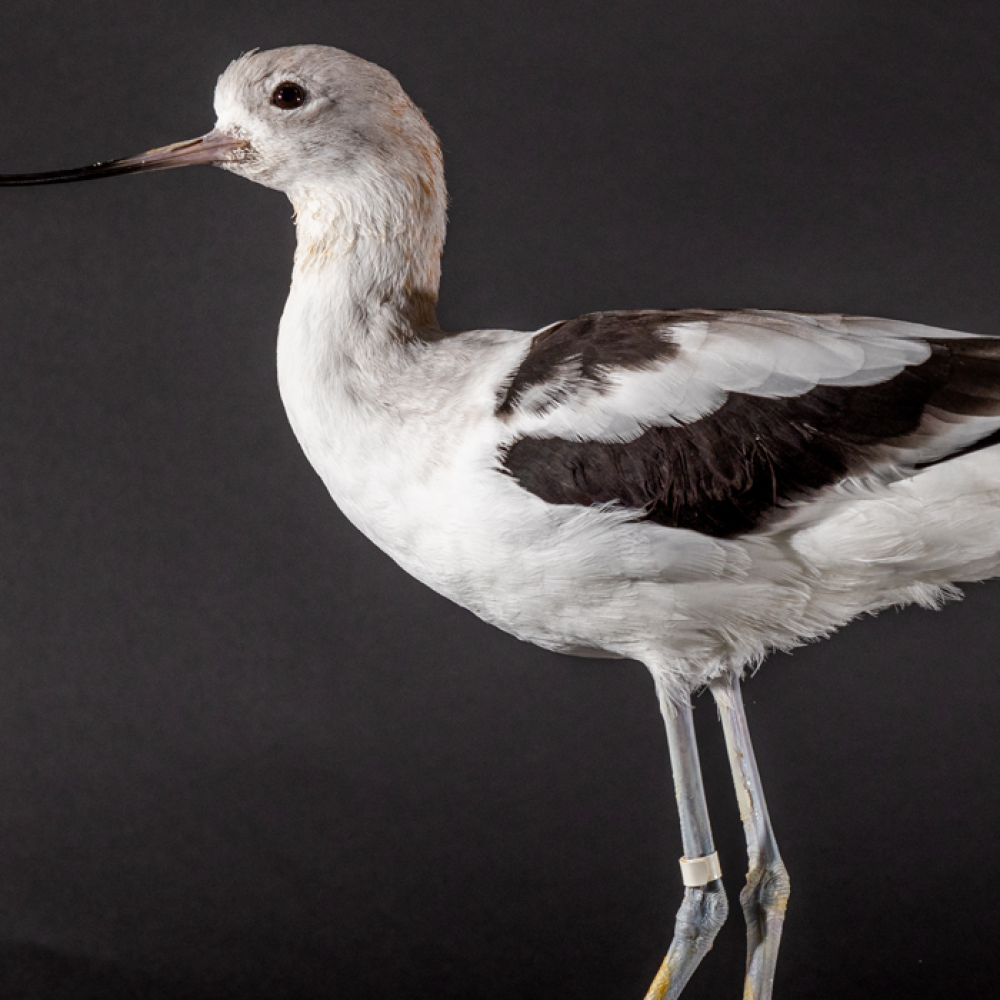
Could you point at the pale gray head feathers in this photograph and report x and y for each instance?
(356, 157)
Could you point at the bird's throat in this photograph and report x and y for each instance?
(381, 258)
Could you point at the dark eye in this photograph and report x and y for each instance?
(288, 95)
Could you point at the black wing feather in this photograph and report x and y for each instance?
(734, 470)
(593, 345)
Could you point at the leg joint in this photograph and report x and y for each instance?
(701, 914)
(768, 888)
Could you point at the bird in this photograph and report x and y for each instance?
(690, 488)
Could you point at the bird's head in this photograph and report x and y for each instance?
(301, 117)
(339, 136)
(310, 119)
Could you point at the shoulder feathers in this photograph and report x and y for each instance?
(720, 421)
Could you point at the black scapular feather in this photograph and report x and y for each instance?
(736, 469)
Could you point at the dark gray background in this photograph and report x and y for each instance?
(241, 753)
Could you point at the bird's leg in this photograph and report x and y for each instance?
(765, 895)
(704, 908)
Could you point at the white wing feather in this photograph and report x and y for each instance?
(766, 354)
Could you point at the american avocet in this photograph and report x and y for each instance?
(688, 488)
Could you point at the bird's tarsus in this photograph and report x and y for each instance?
(764, 899)
(704, 907)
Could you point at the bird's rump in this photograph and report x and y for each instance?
(720, 422)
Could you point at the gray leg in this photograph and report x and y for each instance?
(765, 896)
(704, 908)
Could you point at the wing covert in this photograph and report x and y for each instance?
(719, 421)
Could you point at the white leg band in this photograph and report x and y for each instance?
(700, 871)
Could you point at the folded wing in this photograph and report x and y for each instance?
(722, 421)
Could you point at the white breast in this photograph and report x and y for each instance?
(400, 437)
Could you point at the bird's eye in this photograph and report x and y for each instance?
(288, 95)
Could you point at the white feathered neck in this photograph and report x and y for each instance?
(376, 240)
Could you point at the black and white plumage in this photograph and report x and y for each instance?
(743, 447)
(691, 489)
(773, 448)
